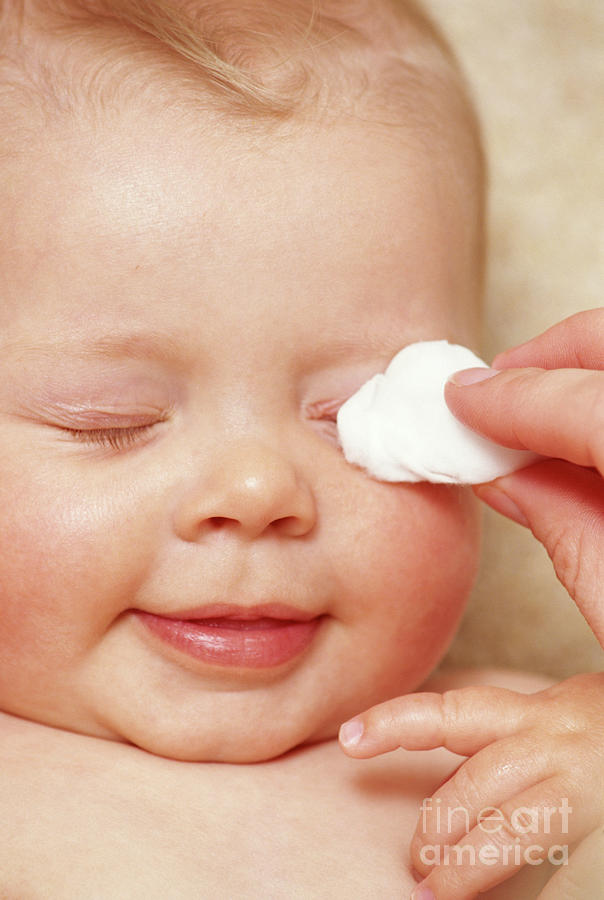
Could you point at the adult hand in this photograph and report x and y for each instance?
(544, 750)
(548, 396)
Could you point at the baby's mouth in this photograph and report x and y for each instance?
(238, 624)
(248, 637)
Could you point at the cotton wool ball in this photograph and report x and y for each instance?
(398, 427)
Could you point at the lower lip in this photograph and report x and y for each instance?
(251, 643)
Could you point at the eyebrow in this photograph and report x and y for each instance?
(131, 345)
(164, 348)
(355, 347)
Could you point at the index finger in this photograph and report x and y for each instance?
(463, 721)
(576, 342)
(557, 413)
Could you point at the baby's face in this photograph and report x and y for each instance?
(182, 314)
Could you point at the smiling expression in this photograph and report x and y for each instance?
(183, 313)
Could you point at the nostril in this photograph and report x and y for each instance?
(218, 521)
(286, 522)
(293, 525)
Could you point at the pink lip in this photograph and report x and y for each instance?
(235, 611)
(228, 635)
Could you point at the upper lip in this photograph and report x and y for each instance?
(237, 611)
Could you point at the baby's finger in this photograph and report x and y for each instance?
(520, 833)
(480, 785)
(553, 412)
(583, 876)
(464, 721)
(576, 342)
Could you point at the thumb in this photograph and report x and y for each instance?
(563, 505)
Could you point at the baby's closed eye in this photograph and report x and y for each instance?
(325, 414)
(111, 438)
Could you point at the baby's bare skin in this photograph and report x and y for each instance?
(185, 305)
(88, 817)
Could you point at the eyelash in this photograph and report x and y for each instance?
(325, 411)
(123, 438)
(111, 438)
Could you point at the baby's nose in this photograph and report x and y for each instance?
(249, 488)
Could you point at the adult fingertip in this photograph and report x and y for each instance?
(471, 376)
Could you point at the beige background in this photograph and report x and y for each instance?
(537, 69)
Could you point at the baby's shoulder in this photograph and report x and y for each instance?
(513, 679)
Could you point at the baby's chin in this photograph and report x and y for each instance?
(241, 729)
(243, 746)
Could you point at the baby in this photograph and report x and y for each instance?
(218, 221)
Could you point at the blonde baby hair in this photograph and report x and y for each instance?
(265, 59)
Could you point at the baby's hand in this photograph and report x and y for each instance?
(556, 409)
(532, 787)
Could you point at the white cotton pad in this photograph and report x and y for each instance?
(398, 427)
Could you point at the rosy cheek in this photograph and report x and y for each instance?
(67, 567)
(424, 541)
(32, 587)
(439, 567)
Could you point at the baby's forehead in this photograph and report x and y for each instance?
(383, 64)
(398, 85)
(322, 247)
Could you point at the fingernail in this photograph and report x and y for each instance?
(423, 893)
(351, 732)
(472, 376)
(500, 502)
